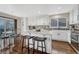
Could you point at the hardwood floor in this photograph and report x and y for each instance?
(58, 47)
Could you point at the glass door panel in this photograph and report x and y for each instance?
(2, 27)
(2, 31)
(10, 27)
(7, 28)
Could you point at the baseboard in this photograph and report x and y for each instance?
(60, 41)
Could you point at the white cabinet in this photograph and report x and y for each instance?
(74, 19)
(45, 20)
(61, 35)
(71, 20)
(32, 21)
(38, 20)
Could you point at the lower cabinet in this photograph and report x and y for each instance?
(61, 35)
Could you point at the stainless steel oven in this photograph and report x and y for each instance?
(75, 40)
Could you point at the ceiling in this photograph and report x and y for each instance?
(25, 10)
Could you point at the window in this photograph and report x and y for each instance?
(2, 26)
(10, 27)
(59, 23)
(54, 22)
(62, 22)
(7, 26)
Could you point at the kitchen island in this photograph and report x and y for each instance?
(40, 34)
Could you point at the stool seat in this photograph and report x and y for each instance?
(39, 38)
(5, 37)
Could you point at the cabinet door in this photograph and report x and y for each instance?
(32, 21)
(74, 16)
(71, 17)
(54, 35)
(62, 36)
(45, 21)
(59, 35)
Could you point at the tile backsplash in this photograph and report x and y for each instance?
(38, 28)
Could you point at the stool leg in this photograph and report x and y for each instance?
(1, 48)
(22, 44)
(28, 46)
(33, 46)
(42, 46)
(37, 45)
(45, 46)
(4, 45)
(9, 45)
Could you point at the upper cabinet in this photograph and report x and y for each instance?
(74, 15)
(38, 20)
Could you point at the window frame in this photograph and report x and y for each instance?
(58, 23)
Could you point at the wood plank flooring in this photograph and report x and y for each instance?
(60, 47)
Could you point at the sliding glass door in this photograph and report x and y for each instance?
(2, 27)
(2, 31)
(7, 28)
(10, 27)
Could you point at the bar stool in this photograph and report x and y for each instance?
(11, 45)
(39, 39)
(5, 41)
(17, 44)
(27, 37)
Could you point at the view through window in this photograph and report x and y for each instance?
(7, 26)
